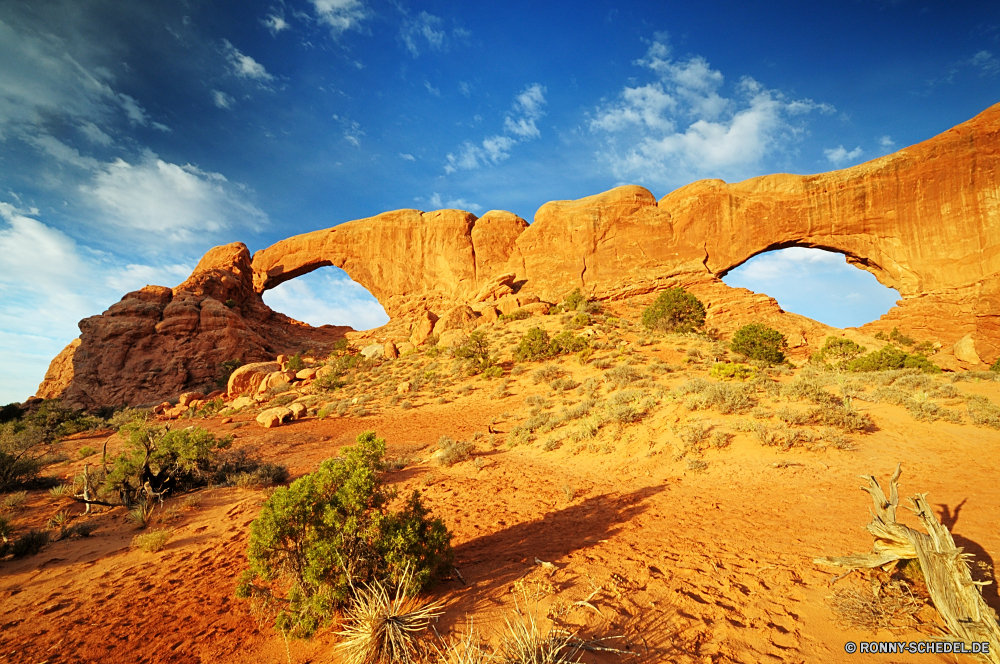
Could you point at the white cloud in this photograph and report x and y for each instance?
(160, 201)
(222, 100)
(521, 121)
(431, 89)
(986, 63)
(840, 155)
(244, 66)
(48, 285)
(886, 142)
(327, 297)
(41, 80)
(681, 127)
(94, 134)
(275, 23)
(340, 15)
(407, 157)
(352, 130)
(463, 89)
(435, 202)
(425, 28)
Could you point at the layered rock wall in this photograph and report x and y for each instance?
(925, 221)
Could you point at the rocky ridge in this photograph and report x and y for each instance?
(925, 220)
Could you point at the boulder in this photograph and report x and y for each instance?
(239, 403)
(249, 377)
(965, 350)
(298, 410)
(405, 348)
(186, 398)
(389, 350)
(403, 388)
(372, 351)
(324, 371)
(461, 317)
(273, 417)
(275, 379)
(452, 338)
(496, 288)
(422, 327)
(306, 374)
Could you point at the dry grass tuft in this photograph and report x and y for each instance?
(380, 629)
(891, 606)
(152, 541)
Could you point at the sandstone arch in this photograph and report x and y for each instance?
(925, 221)
(409, 260)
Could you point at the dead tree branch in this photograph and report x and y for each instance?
(955, 595)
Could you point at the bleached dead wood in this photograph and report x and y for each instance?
(956, 596)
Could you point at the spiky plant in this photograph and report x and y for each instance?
(467, 650)
(525, 643)
(380, 628)
(142, 514)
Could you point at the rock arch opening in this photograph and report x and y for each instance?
(327, 296)
(816, 283)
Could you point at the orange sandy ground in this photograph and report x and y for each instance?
(712, 566)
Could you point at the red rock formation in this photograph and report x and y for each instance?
(925, 221)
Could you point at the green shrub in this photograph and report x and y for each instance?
(996, 366)
(901, 338)
(533, 346)
(230, 303)
(29, 543)
(168, 460)
(567, 342)
(476, 351)
(837, 351)
(296, 363)
(733, 371)
(226, 370)
(331, 531)
(760, 342)
(519, 314)
(675, 310)
(86, 451)
(889, 358)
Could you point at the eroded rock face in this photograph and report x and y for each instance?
(925, 221)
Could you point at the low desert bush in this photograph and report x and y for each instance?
(674, 310)
(622, 375)
(982, 412)
(152, 541)
(760, 342)
(476, 352)
(454, 451)
(836, 352)
(547, 373)
(890, 357)
(331, 532)
(733, 371)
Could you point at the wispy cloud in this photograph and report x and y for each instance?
(222, 100)
(520, 125)
(423, 31)
(681, 126)
(407, 157)
(436, 202)
(840, 155)
(340, 15)
(155, 200)
(887, 142)
(986, 63)
(244, 66)
(431, 89)
(275, 23)
(352, 131)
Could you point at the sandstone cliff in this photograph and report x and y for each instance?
(925, 220)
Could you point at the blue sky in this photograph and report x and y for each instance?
(135, 136)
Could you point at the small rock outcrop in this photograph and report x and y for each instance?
(925, 221)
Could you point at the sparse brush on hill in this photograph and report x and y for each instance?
(733, 371)
(836, 352)
(674, 310)
(536, 345)
(760, 342)
(476, 352)
(226, 370)
(330, 532)
(890, 357)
